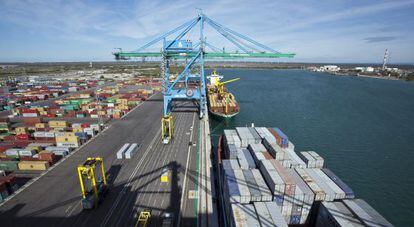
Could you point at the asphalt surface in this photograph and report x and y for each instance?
(54, 199)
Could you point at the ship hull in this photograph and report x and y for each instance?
(222, 115)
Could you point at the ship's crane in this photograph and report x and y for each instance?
(220, 85)
(182, 49)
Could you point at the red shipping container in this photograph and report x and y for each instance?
(21, 143)
(22, 137)
(85, 125)
(9, 138)
(48, 156)
(32, 120)
(29, 111)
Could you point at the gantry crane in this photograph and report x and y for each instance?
(93, 188)
(182, 87)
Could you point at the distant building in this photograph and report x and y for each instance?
(329, 68)
(365, 69)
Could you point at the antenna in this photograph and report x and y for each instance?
(384, 63)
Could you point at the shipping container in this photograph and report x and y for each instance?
(230, 164)
(120, 154)
(9, 165)
(273, 180)
(349, 193)
(33, 165)
(131, 151)
(319, 193)
(265, 217)
(244, 215)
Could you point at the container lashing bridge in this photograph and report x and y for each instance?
(190, 84)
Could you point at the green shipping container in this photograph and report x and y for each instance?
(8, 165)
(80, 115)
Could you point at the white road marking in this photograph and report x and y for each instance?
(185, 177)
(118, 199)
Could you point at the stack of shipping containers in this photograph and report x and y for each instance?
(266, 183)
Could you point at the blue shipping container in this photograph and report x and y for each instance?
(349, 193)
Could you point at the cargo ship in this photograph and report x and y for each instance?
(221, 102)
(263, 179)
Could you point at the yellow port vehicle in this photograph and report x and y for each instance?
(143, 218)
(165, 175)
(93, 187)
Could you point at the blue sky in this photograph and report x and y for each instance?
(318, 31)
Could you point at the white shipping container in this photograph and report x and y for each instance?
(67, 144)
(263, 214)
(272, 178)
(275, 150)
(277, 217)
(52, 148)
(308, 159)
(318, 158)
(12, 152)
(256, 148)
(242, 159)
(131, 151)
(329, 193)
(242, 185)
(244, 215)
(29, 114)
(339, 193)
(319, 193)
(120, 154)
(27, 153)
(264, 190)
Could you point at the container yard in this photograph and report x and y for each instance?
(271, 184)
(41, 124)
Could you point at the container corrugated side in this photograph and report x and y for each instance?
(349, 193)
(131, 151)
(255, 135)
(274, 149)
(242, 184)
(120, 154)
(289, 192)
(319, 160)
(231, 186)
(249, 158)
(230, 164)
(244, 164)
(319, 193)
(368, 215)
(256, 147)
(339, 194)
(275, 212)
(258, 157)
(255, 195)
(264, 190)
(329, 193)
(273, 180)
(232, 151)
(296, 161)
(244, 215)
(263, 214)
(308, 159)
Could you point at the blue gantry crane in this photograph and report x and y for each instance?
(190, 84)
